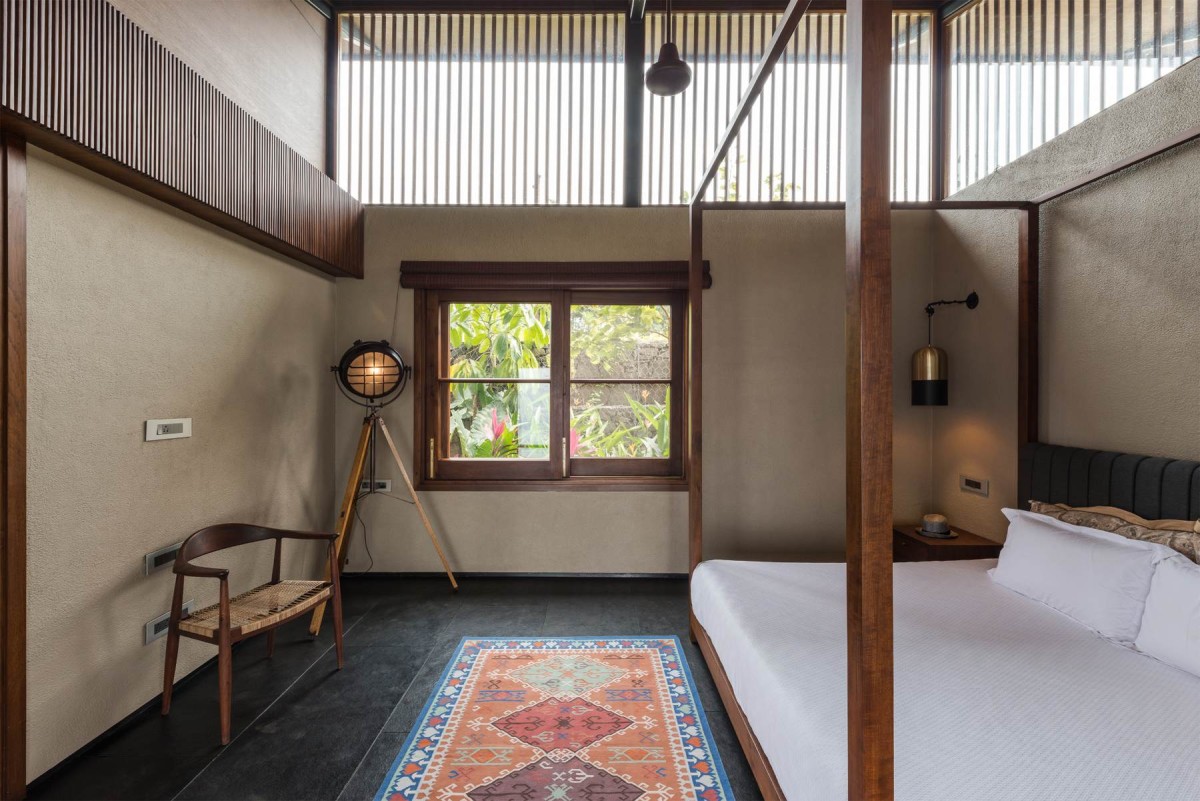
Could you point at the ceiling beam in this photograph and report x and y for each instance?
(637, 9)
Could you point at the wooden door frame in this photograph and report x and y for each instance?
(13, 462)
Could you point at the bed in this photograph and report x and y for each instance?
(996, 696)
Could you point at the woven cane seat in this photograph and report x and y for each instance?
(258, 608)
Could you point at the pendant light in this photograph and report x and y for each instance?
(930, 365)
(670, 75)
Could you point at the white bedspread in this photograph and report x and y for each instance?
(997, 696)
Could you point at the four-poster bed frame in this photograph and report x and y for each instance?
(868, 394)
(868, 377)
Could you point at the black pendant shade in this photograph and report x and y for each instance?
(670, 75)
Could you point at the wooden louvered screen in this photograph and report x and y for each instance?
(79, 77)
(790, 147)
(1024, 71)
(495, 109)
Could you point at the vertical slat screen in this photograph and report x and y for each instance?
(83, 71)
(1024, 71)
(481, 109)
(790, 148)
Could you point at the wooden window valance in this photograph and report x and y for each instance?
(547, 275)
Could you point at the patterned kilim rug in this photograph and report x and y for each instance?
(568, 719)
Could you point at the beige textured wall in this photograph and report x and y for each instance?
(774, 379)
(1118, 332)
(268, 56)
(976, 434)
(135, 312)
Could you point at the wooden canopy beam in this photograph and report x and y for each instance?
(869, 400)
(779, 41)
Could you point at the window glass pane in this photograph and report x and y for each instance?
(498, 340)
(1022, 73)
(501, 420)
(790, 147)
(481, 109)
(611, 341)
(622, 421)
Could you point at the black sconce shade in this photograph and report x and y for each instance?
(930, 377)
(931, 365)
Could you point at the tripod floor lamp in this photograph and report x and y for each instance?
(372, 374)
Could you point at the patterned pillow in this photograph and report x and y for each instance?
(1180, 535)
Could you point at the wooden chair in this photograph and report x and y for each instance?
(259, 611)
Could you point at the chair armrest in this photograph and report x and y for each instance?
(196, 571)
(308, 535)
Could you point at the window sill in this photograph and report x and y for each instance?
(578, 484)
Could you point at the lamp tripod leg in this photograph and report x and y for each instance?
(387, 435)
(346, 515)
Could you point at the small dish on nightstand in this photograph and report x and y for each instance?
(936, 526)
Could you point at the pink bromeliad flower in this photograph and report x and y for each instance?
(498, 426)
(574, 441)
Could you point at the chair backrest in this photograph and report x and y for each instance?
(220, 537)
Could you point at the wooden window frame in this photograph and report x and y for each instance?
(439, 472)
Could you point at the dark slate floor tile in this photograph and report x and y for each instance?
(592, 617)
(101, 778)
(495, 618)
(406, 621)
(308, 744)
(193, 725)
(374, 768)
(404, 715)
(741, 779)
(702, 679)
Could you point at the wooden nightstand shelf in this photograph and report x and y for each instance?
(909, 546)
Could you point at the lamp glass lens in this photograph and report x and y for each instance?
(373, 374)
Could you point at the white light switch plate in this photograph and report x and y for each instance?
(174, 428)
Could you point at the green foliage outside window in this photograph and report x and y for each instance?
(501, 419)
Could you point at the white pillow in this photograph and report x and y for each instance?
(1171, 623)
(1097, 578)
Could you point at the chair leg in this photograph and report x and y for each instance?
(337, 626)
(169, 669)
(271, 643)
(225, 682)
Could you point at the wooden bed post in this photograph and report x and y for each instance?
(695, 329)
(1028, 267)
(869, 400)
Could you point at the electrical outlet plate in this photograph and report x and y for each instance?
(978, 486)
(381, 485)
(157, 628)
(163, 557)
(173, 428)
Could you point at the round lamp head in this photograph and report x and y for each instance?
(372, 373)
(930, 377)
(670, 75)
